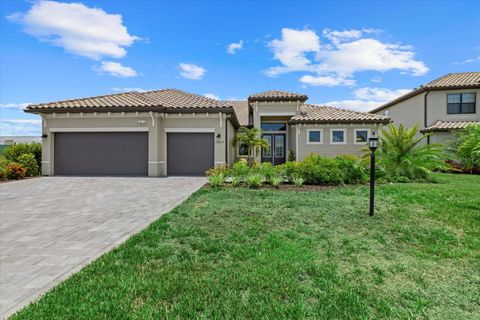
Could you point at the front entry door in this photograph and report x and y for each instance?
(275, 153)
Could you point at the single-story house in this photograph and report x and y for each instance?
(172, 132)
(440, 107)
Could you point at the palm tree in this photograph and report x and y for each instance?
(401, 153)
(252, 138)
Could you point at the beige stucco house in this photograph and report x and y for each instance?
(172, 132)
(441, 106)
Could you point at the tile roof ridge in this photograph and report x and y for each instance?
(128, 93)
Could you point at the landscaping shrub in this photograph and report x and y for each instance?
(216, 180)
(240, 169)
(298, 181)
(217, 170)
(289, 170)
(468, 149)
(254, 180)
(3, 167)
(12, 152)
(291, 156)
(265, 169)
(15, 171)
(275, 181)
(351, 167)
(236, 180)
(401, 155)
(27, 160)
(319, 170)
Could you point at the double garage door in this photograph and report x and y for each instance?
(126, 153)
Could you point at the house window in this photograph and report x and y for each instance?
(314, 136)
(243, 149)
(361, 136)
(269, 126)
(461, 103)
(385, 113)
(338, 136)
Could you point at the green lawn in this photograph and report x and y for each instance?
(267, 254)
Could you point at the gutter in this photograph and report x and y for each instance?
(425, 113)
(226, 141)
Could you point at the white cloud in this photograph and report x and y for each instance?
(191, 71)
(117, 89)
(379, 94)
(233, 47)
(116, 69)
(211, 96)
(369, 55)
(20, 127)
(367, 98)
(340, 36)
(327, 81)
(84, 31)
(337, 61)
(19, 106)
(376, 79)
(291, 50)
(471, 60)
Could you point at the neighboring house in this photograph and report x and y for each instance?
(441, 106)
(172, 132)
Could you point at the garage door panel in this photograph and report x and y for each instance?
(190, 154)
(101, 153)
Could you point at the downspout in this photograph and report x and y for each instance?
(425, 114)
(226, 142)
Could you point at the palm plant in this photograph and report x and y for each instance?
(401, 153)
(468, 150)
(252, 138)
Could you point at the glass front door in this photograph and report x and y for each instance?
(275, 152)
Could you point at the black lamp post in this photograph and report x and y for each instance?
(372, 144)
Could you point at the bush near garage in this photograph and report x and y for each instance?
(13, 152)
(27, 160)
(15, 171)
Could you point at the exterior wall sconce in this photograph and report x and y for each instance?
(373, 145)
(44, 136)
(218, 136)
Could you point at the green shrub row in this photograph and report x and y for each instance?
(20, 160)
(314, 170)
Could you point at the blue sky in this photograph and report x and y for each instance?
(348, 54)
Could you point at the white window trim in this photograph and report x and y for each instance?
(355, 136)
(344, 136)
(313, 142)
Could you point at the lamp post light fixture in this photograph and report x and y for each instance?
(373, 145)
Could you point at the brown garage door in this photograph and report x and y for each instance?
(101, 153)
(189, 154)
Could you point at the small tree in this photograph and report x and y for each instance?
(401, 154)
(468, 150)
(252, 138)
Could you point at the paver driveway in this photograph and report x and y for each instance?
(51, 227)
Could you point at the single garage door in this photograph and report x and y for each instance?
(189, 154)
(101, 153)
